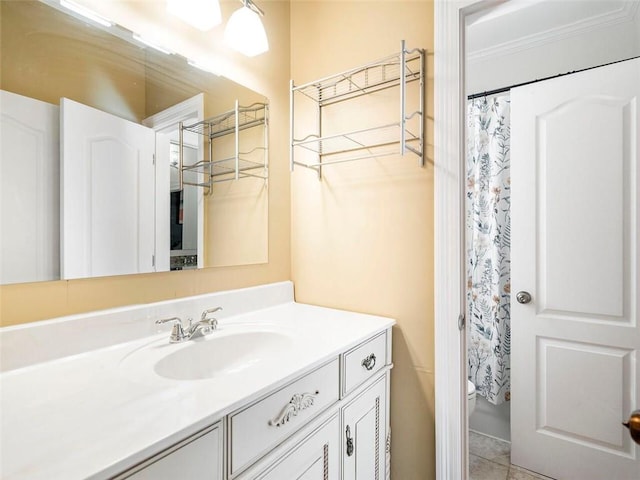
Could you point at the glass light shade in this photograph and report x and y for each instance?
(201, 14)
(245, 33)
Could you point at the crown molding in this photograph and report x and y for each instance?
(628, 13)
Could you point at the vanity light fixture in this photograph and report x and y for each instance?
(86, 13)
(201, 14)
(151, 44)
(245, 32)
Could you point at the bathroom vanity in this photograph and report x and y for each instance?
(279, 390)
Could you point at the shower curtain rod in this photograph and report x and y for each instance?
(506, 89)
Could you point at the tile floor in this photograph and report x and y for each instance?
(490, 459)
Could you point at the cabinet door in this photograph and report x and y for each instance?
(316, 458)
(197, 458)
(364, 432)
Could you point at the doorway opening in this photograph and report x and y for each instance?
(513, 56)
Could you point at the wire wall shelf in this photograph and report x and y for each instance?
(396, 137)
(225, 123)
(252, 162)
(355, 141)
(370, 78)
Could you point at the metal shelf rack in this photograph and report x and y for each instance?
(250, 162)
(392, 138)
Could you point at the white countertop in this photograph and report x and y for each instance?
(93, 414)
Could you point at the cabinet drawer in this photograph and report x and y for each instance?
(363, 361)
(256, 429)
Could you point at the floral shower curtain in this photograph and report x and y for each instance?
(488, 199)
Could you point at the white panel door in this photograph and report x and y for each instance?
(108, 194)
(575, 376)
(29, 189)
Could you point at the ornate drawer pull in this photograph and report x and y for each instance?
(369, 362)
(299, 402)
(349, 442)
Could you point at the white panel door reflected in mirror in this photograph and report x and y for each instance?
(107, 195)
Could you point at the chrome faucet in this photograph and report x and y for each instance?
(204, 327)
(212, 322)
(177, 332)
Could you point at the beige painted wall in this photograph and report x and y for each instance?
(267, 74)
(236, 213)
(362, 238)
(41, 61)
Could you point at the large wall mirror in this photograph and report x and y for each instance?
(98, 133)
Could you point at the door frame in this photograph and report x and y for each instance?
(452, 459)
(164, 121)
(449, 140)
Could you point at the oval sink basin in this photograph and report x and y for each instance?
(210, 356)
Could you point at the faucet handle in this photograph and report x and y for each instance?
(213, 322)
(177, 333)
(211, 310)
(167, 320)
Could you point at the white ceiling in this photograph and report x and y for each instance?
(520, 24)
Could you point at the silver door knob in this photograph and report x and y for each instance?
(523, 297)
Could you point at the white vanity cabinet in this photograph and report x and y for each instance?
(329, 424)
(322, 450)
(197, 458)
(270, 395)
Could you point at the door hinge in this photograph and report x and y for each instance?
(154, 158)
(461, 321)
(153, 260)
